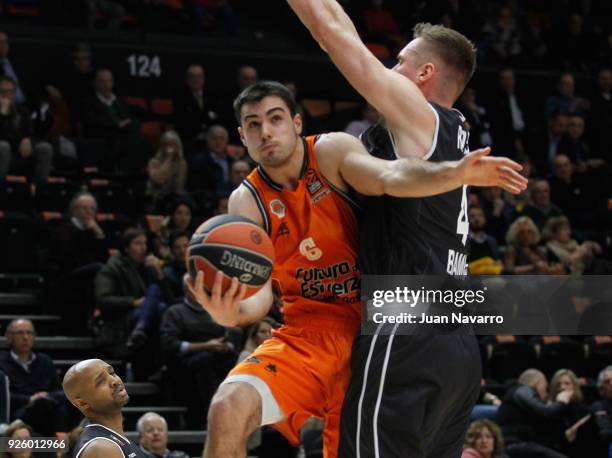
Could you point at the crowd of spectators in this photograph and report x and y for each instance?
(129, 293)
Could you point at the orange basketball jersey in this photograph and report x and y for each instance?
(314, 232)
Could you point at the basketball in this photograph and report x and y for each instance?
(234, 245)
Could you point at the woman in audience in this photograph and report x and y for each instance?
(483, 440)
(576, 258)
(578, 435)
(179, 218)
(17, 430)
(523, 255)
(257, 334)
(167, 171)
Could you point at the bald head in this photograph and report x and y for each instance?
(94, 388)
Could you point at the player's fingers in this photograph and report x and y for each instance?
(233, 289)
(509, 185)
(505, 162)
(477, 154)
(242, 292)
(518, 179)
(217, 287)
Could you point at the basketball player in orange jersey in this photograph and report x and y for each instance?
(300, 195)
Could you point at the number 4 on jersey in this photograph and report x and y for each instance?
(463, 224)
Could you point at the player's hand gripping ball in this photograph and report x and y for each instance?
(234, 245)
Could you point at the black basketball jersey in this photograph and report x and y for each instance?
(411, 236)
(94, 432)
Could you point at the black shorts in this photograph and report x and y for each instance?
(409, 396)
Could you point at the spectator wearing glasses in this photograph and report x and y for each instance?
(36, 394)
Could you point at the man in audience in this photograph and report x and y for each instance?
(484, 257)
(211, 169)
(6, 69)
(541, 208)
(178, 242)
(238, 172)
(570, 190)
(35, 391)
(544, 148)
(105, 116)
(602, 408)
(76, 252)
(20, 153)
(499, 214)
(153, 437)
(565, 101)
(601, 116)
(197, 353)
(193, 112)
(524, 414)
(131, 292)
(574, 144)
(507, 112)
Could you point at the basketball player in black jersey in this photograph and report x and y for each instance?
(410, 396)
(98, 392)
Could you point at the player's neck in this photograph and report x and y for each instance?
(288, 174)
(113, 421)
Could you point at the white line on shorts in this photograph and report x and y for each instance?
(380, 389)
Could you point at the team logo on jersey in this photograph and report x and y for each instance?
(278, 208)
(271, 368)
(319, 196)
(309, 248)
(283, 229)
(312, 181)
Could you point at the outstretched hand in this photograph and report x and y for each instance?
(223, 308)
(479, 169)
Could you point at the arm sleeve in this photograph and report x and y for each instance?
(170, 335)
(105, 292)
(529, 400)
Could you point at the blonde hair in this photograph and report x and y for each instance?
(524, 222)
(473, 433)
(452, 47)
(170, 136)
(556, 380)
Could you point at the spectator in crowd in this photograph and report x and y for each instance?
(573, 144)
(221, 207)
(499, 214)
(502, 37)
(307, 120)
(193, 110)
(238, 172)
(569, 44)
(544, 148)
(601, 116)
(179, 217)
(167, 172)
(507, 112)
(18, 430)
(131, 293)
(483, 440)
(153, 437)
(541, 208)
(105, 116)
(570, 190)
(565, 100)
(524, 415)
(112, 12)
(484, 257)
(257, 334)
(177, 267)
(577, 258)
(477, 118)
(76, 82)
(602, 408)
(247, 76)
(523, 255)
(36, 394)
(381, 26)
(369, 116)
(77, 250)
(577, 433)
(6, 69)
(210, 170)
(197, 353)
(19, 151)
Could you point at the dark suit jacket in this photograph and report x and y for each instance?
(189, 119)
(500, 115)
(100, 120)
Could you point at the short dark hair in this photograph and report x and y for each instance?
(130, 234)
(451, 46)
(258, 91)
(176, 234)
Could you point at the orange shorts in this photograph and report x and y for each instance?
(307, 370)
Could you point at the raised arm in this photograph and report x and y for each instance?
(345, 161)
(397, 98)
(231, 309)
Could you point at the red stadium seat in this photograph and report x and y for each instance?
(152, 131)
(139, 102)
(162, 107)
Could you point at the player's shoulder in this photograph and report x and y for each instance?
(335, 145)
(101, 447)
(245, 200)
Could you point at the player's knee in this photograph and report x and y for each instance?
(234, 404)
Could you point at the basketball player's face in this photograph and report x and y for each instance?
(411, 60)
(105, 392)
(269, 131)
